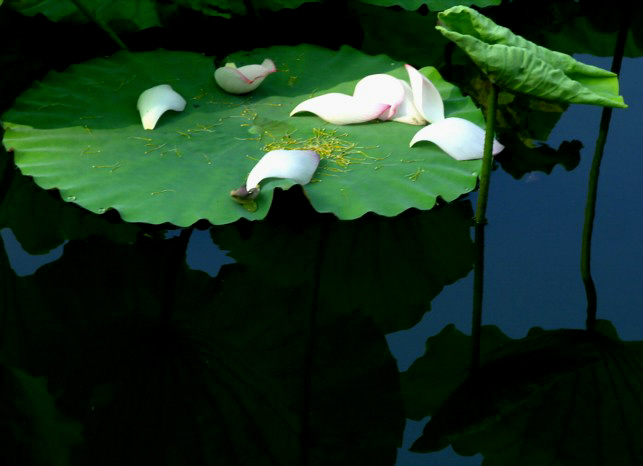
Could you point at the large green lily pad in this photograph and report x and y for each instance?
(79, 131)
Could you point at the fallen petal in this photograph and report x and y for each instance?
(295, 165)
(460, 138)
(342, 109)
(426, 97)
(245, 79)
(381, 88)
(155, 101)
(407, 112)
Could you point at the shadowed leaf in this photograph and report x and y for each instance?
(164, 365)
(360, 271)
(555, 397)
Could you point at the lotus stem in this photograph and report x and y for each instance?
(590, 203)
(84, 10)
(480, 222)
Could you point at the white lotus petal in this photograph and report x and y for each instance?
(407, 112)
(245, 79)
(342, 109)
(426, 97)
(381, 88)
(296, 165)
(155, 101)
(460, 138)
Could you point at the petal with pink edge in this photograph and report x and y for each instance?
(381, 88)
(426, 96)
(245, 79)
(342, 109)
(460, 138)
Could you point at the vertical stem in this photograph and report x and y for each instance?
(590, 204)
(480, 222)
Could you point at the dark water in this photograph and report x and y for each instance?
(532, 274)
(532, 279)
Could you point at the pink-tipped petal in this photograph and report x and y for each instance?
(296, 165)
(426, 97)
(245, 79)
(381, 88)
(341, 109)
(254, 72)
(460, 138)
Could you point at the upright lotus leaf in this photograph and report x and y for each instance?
(79, 131)
(517, 64)
(555, 397)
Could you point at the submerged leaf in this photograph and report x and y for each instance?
(517, 64)
(555, 397)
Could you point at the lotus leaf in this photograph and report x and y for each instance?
(510, 411)
(79, 131)
(128, 14)
(434, 5)
(516, 64)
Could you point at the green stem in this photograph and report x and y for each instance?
(480, 222)
(84, 10)
(590, 204)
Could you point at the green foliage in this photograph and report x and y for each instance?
(516, 64)
(224, 8)
(417, 43)
(355, 257)
(276, 5)
(175, 367)
(32, 427)
(434, 5)
(41, 222)
(123, 15)
(528, 395)
(84, 123)
(429, 382)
